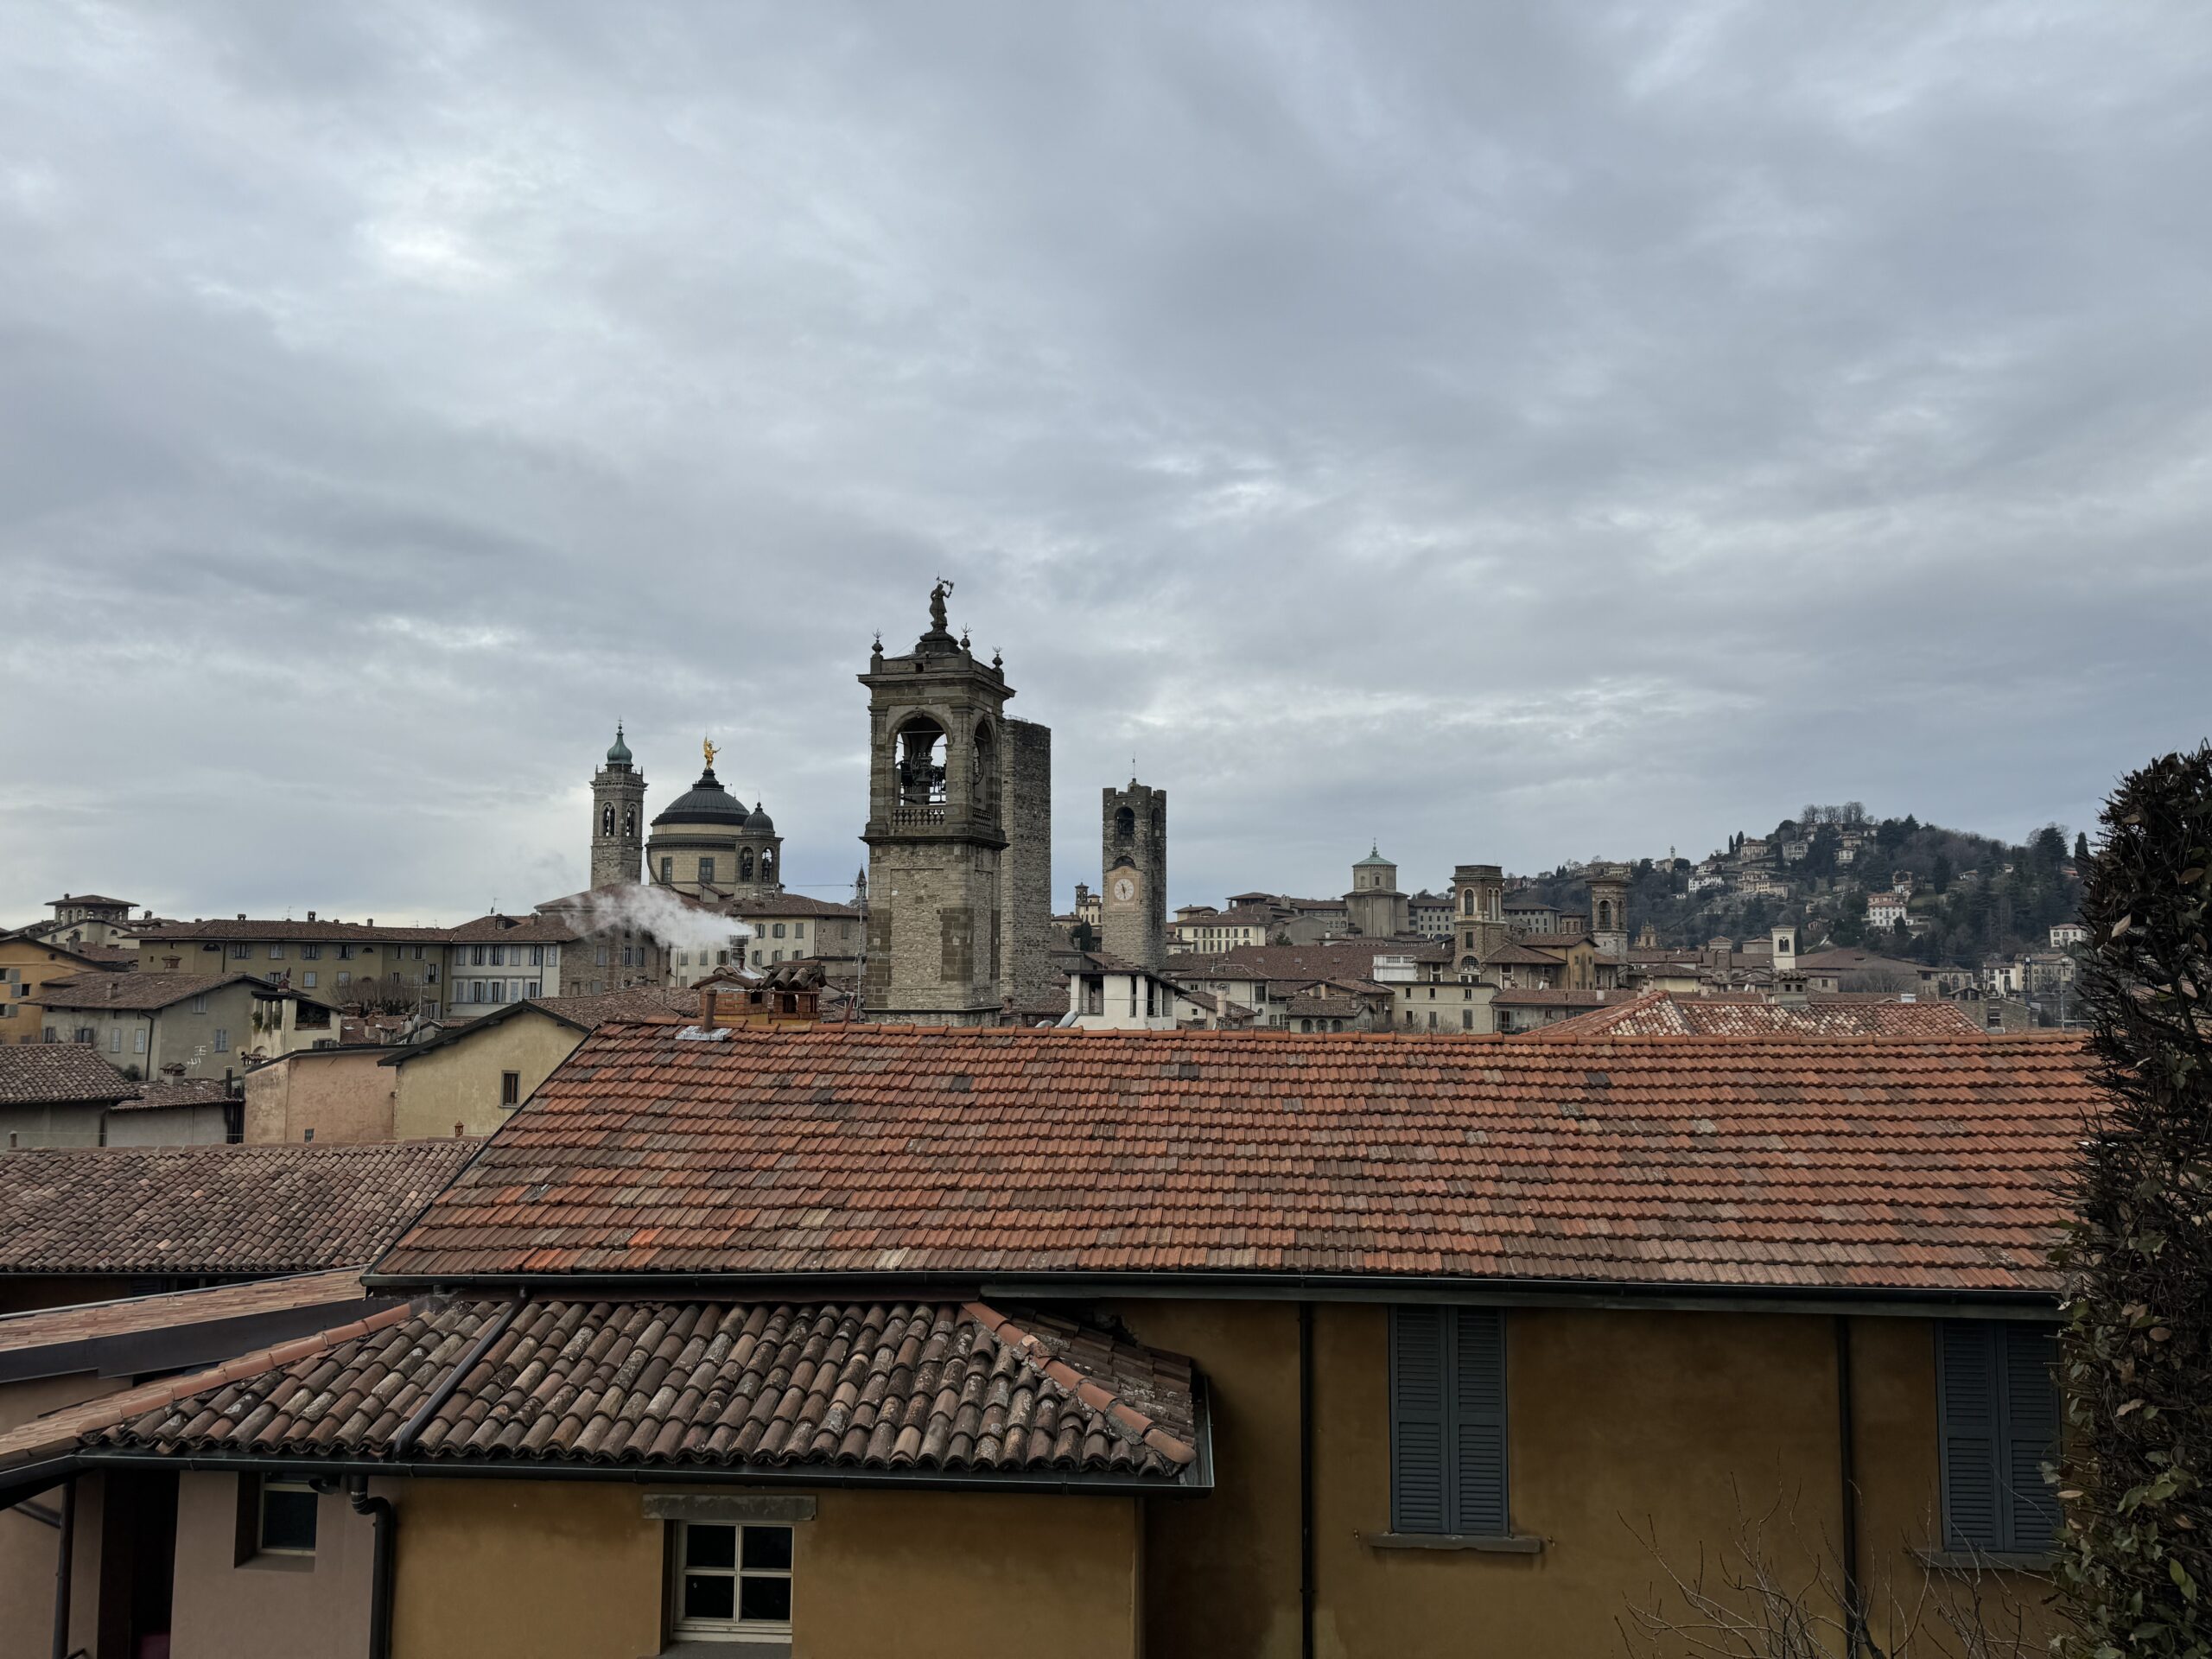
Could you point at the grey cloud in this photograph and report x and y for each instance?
(1508, 432)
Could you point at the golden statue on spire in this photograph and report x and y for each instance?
(707, 743)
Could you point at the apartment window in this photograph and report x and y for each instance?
(798, 929)
(706, 869)
(683, 958)
(344, 977)
(115, 1039)
(538, 956)
(756, 959)
(308, 979)
(138, 1041)
(276, 953)
(310, 952)
(1448, 1421)
(276, 1517)
(509, 1088)
(345, 953)
(499, 955)
(222, 1040)
(733, 1581)
(776, 932)
(533, 988)
(478, 957)
(1997, 1401)
(598, 956)
(240, 952)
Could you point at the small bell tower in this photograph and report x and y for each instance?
(618, 818)
(936, 834)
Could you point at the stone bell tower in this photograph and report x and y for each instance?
(618, 818)
(936, 835)
(1132, 857)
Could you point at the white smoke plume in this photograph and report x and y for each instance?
(668, 919)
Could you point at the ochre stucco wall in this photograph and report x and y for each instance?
(28, 1546)
(512, 1569)
(1615, 1419)
(343, 1095)
(459, 1080)
(293, 1607)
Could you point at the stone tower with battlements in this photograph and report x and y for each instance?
(618, 818)
(1132, 863)
(936, 834)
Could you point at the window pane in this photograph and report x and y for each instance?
(769, 1547)
(768, 1598)
(708, 1598)
(287, 1518)
(709, 1546)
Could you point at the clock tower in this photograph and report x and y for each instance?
(1133, 858)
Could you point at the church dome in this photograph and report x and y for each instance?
(758, 819)
(705, 802)
(620, 755)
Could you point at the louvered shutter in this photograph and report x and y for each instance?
(1418, 1498)
(1478, 1421)
(2030, 1418)
(1967, 1405)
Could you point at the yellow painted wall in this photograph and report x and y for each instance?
(1616, 1419)
(37, 965)
(28, 1546)
(513, 1569)
(459, 1082)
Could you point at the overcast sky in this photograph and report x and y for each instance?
(1504, 432)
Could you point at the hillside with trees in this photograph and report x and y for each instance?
(1972, 896)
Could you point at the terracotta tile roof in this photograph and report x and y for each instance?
(245, 1210)
(787, 903)
(1849, 959)
(325, 931)
(1519, 955)
(1540, 996)
(580, 1012)
(58, 1432)
(95, 1321)
(496, 928)
(112, 958)
(935, 1387)
(36, 1074)
(98, 900)
(142, 993)
(1661, 1014)
(182, 1091)
(1554, 941)
(1315, 1005)
(1766, 1162)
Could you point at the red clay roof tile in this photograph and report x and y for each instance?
(1765, 1162)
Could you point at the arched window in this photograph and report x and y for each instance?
(1467, 901)
(768, 864)
(744, 865)
(607, 820)
(629, 820)
(919, 767)
(1125, 825)
(1605, 914)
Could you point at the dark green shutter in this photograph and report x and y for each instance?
(2030, 1418)
(1967, 1406)
(1478, 1421)
(1418, 1501)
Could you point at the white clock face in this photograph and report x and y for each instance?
(1125, 889)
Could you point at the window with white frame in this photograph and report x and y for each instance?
(732, 1582)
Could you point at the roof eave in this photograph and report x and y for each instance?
(1913, 1301)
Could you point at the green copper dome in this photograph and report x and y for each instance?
(620, 755)
(1374, 856)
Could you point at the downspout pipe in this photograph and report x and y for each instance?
(384, 1521)
(1306, 1480)
(1856, 1639)
(64, 1563)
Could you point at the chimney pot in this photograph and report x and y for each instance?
(310, 915)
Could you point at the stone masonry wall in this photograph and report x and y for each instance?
(1025, 866)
